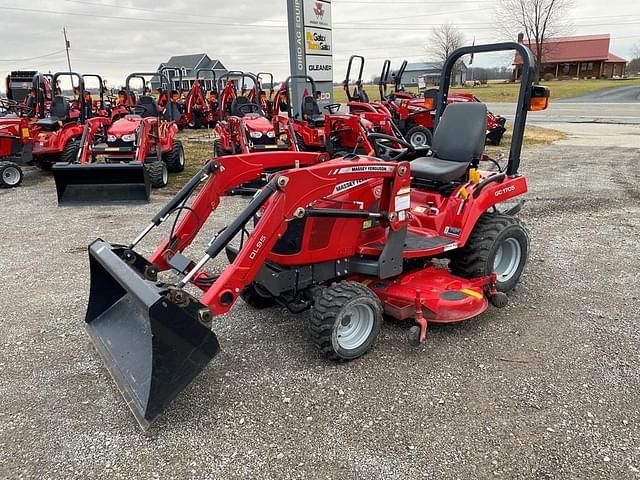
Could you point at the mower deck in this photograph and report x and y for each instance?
(444, 297)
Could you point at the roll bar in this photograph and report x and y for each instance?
(77, 76)
(214, 79)
(168, 77)
(287, 83)
(400, 74)
(142, 76)
(100, 82)
(524, 98)
(270, 75)
(384, 79)
(345, 83)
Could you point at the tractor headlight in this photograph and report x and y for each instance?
(271, 134)
(253, 134)
(129, 138)
(111, 138)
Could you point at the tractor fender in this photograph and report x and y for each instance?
(491, 194)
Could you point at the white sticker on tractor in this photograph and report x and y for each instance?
(451, 246)
(403, 202)
(347, 185)
(367, 168)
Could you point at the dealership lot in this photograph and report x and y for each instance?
(546, 388)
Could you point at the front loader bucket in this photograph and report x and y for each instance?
(152, 347)
(98, 183)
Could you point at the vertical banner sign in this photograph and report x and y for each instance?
(311, 49)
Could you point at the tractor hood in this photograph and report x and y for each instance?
(257, 123)
(125, 126)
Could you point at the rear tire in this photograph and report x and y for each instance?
(70, 152)
(419, 137)
(196, 120)
(175, 159)
(498, 243)
(158, 174)
(345, 321)
(11, 175)
(218, 151)
(300, 143)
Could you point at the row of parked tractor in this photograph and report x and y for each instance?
(119, 148)
(390, 208)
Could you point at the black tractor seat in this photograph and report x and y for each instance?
(148, 106)
(458, 140)
(58, 114)
(311, 112)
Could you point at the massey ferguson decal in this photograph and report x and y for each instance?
(317, 14)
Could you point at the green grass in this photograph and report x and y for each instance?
(508, 92)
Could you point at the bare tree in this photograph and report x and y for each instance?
(538, 20)
(443, 40)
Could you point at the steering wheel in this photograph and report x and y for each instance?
(333, 108)
(137, 109)
(248, 108)
(8, 105)
(385, 152)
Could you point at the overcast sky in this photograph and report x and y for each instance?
(114, 38)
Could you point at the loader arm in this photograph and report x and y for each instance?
(288, 196)
(227, 173)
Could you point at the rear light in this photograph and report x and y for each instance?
(26, 133)
(429, 103)
(540, 97)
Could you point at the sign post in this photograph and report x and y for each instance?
(310, 49)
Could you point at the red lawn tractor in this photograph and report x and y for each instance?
(350, 239)
(137, 151)
(335, 133)
(243, 126)
(416, 115)
(28, 98)
(55, 136)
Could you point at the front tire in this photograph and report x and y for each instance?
(158, 174)
(345, 321)
(70, 151)
(175, 159)
(498, 243)
(11, 175)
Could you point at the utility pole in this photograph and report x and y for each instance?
(67, 46)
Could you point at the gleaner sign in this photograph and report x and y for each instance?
(311, 47)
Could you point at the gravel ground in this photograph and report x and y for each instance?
(546, 388)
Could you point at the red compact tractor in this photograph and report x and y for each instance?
(137, 150)
(415, 116)
(266, 99)
(351, 240)
(243, 126)
(200, 107)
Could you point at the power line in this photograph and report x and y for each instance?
(255, 26)
(32, 58)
